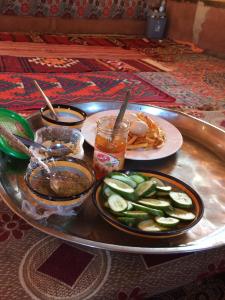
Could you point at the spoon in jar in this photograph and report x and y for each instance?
(55, 150)
(54, 114)
(120, 114)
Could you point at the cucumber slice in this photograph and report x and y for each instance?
(169, 221)
(129, 205)
(107, 192)
(181, 199)
(164, 188)
(131, 197)
(117, 203)
(162, 193)
(119, 186)
(127, 221)
(139, 174)
(151, 194)
(158, 181)
(180, 214)
(149, 210)
(136, 214)
(137, 178)
(125, 178)
(116, 173)
(155, 203)
(151, 226)
(145, 188)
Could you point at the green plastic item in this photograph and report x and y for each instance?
(17, 125)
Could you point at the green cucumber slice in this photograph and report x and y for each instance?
(145, 188)
(107, 192)
(137, 178)
(180, 214)
(116, 173)
(129, 205)
(167, 188)
(151, 226)
(136, 214)
(118, 186)
(117, 203)
(131, 197)
(162, 194)
(155, 203)
(127, 221)
(158, 181)
(139, 174)
(181, 199)
(151, 194)
(167, 221)
(125, 178)
(149, 210)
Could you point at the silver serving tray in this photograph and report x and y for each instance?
(200, 163)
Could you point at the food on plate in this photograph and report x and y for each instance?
(144, 132)
(145, 202)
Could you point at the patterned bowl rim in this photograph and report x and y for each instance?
(63, 200)
(80, 111)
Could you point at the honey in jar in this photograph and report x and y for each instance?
(109, 152)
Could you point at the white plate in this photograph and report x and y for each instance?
(174, 139)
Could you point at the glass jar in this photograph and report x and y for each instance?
(109, 152)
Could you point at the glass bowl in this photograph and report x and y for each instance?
(70, 116)
(48, 136)
(74, 188)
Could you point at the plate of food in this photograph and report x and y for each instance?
(150, 137)
(147, 203)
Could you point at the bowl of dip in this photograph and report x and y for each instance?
(70, 116)
(68, 184)
(49, 136)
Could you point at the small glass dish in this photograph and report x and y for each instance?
(75, 188)
(70, 116)
(49, 136)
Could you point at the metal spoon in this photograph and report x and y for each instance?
(56, 150)
(121, 114)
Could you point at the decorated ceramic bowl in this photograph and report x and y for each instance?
(63, 183)
(147, 204)
(70, 116)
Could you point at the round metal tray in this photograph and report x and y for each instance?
(200, 163)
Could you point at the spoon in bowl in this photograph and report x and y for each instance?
(55, 150)
(54, 114)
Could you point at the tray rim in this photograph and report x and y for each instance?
(112, 247)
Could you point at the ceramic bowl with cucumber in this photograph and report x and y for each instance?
(148, 203)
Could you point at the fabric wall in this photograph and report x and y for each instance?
(91, 9)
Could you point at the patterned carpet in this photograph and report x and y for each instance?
(72, 65)
(18, 92)
(211, 288)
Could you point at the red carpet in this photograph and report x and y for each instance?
(72, 65)
(18, 92)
